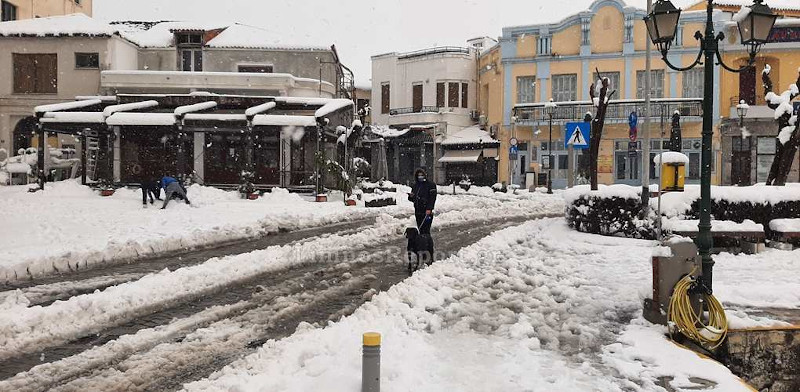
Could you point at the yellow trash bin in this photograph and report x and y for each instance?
(673, 177)
(673, 170)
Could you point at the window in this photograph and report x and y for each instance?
(464, 95)
(190, 39)
(87, 60)
(440, 94)
(526, 89)
(8, 11)
(416, 97)
(565, 87)
(385, 98)
(255, 68)
(613, 78)
(693, 84)
(35, 73)
(192, 60)
(656, 84)
(452, 95)
(765, 154)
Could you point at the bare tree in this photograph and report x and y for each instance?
(600, 97)
(788, 128)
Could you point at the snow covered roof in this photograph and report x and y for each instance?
(57, 26)
(243, 36)
(469, 135)
(158, 34)
(385, 131)
(284, 120)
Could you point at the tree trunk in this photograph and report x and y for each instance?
(597, 125)
(785, 152)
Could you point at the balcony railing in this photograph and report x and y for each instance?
(618, 111)
(423, 109)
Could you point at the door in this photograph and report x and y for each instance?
(267, 158)
(627, 168)
(747, 85)
(224, 158)
(741, 162)
(416, 98)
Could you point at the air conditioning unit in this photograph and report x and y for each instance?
(482, 120)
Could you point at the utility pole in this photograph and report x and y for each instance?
(646, 126)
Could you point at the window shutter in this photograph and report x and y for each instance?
(464, 95)
(440, 94)
(452, 95)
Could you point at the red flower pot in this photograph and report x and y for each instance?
(350, 202)
(252, 196)
(106, 192)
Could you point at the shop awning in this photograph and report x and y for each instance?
(490, 152)
(460, 156)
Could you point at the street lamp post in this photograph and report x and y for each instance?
(741, 110)
(754, 29)
(550, 108)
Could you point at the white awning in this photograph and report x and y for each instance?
(490, 153)
(460, 156)
(73, 117)
(141, 119)
(281, 120)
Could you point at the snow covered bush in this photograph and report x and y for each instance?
(759, 212)
(611, 210)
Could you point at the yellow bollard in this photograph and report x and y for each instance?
(371, 362)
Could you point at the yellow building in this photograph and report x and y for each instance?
(29, 9)
(536, 63)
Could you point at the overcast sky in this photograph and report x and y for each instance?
(359, 28)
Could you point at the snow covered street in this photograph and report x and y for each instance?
(533, 307)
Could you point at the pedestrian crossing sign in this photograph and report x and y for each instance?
(577, 135)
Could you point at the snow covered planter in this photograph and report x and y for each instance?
(379, 200)
(611, 210)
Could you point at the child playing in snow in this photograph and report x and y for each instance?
(172, 188)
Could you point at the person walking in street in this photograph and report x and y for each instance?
(423, 195)
(172, 188)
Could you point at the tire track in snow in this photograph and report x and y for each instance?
(47, 290)
(386, 261)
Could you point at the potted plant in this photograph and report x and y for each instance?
(246, 189)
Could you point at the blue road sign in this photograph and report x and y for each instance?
(513, 153)
(577, 135)
(796, 108)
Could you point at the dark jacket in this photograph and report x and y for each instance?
(423, 195)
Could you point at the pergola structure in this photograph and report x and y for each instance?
(220, 140)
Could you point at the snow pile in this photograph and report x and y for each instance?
(690, 225)
(537, 301)
(668, 157)
(603, 191)
(785, 225)
(680, 203)
(469, 135)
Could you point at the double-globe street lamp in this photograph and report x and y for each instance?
(755, 24)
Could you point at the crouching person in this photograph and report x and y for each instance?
(172, 188)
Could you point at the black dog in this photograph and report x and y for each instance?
(419, 249)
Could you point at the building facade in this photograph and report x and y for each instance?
(80, 56)
(429, 92)
(536, 63)
(29, 9)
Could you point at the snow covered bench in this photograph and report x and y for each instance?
(785, 230)
(748, 233)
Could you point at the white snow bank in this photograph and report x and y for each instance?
(603, 191)
(679, 203)
(716, 225)
(670, 157)
(511, 312)
(785, 225)
(767, 279)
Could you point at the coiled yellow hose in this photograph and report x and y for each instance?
(682, 316)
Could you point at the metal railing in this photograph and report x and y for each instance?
(433, 51)
(423, 109)
(618, 111)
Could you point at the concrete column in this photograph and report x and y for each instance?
(117, 165)
(199, 156)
